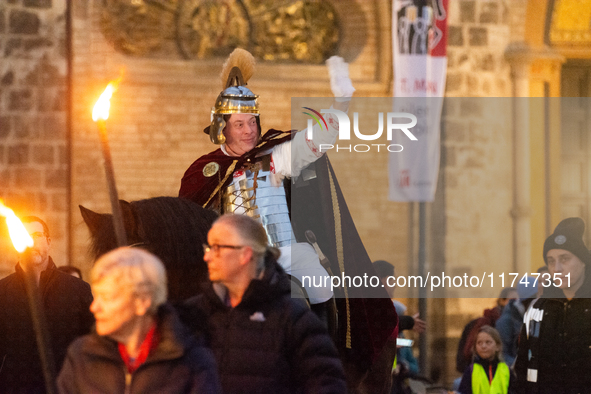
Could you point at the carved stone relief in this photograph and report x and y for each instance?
(305, 31)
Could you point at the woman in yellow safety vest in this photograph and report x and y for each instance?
(487, 374)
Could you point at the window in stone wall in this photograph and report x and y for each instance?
(305, 31)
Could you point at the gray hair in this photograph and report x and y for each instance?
(136, 269)
(252, 234)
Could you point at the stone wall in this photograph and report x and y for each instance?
(33, 140)
(477, 165)
(479, 32)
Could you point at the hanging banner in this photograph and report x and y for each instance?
(419, 32)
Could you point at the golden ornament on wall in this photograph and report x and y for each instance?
(571, 22)
(281, 30)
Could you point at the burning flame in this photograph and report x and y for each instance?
(18, 233)
(101, 108)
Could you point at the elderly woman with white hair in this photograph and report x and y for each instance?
(139, 345)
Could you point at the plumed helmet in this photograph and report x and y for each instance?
(236, 98)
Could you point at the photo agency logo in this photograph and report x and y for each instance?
(395, 122)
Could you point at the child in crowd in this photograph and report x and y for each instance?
(487, 374)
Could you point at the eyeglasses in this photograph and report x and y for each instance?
(38, 234)
(216, 247)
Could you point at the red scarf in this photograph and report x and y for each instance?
(149, 343)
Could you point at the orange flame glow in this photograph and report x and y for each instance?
(101, 108)
(18, 234)
(103, 104)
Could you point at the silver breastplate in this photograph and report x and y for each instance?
(253, 194)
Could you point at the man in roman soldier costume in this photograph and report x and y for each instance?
(258, 175)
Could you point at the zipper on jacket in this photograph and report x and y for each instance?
(563, 328)
(127, 382)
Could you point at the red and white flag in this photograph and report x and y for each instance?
(419, 32)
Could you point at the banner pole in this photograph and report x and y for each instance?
(422, 290)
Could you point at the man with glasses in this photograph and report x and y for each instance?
(263, 340)
(65, 301)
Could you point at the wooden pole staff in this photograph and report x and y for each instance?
(40, 326)
(110, 173)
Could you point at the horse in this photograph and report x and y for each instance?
(172, 228)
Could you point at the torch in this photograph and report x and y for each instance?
(100, 114)
(21, 241)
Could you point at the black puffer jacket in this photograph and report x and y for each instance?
(555, 344)
(177, 365)
(269, 343)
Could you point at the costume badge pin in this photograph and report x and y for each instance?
(560, 239)
(257, 316)
(211, 169)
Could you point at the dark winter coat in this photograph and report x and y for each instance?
(559, 346)
(177, 365)
(509, 327)
(66, 301)
(269, 343)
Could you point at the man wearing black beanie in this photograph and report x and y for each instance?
(554, 354)
(565, 253)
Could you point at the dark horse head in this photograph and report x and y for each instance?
(172, 228)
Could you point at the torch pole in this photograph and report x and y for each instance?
(41, 333)
(110, 173)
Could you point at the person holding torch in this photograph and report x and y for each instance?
(65, 301)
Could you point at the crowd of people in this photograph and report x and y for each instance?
(245, 333)
(537, 340)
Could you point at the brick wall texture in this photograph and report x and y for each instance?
(33, 155)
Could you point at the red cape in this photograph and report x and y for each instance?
(204, 189)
